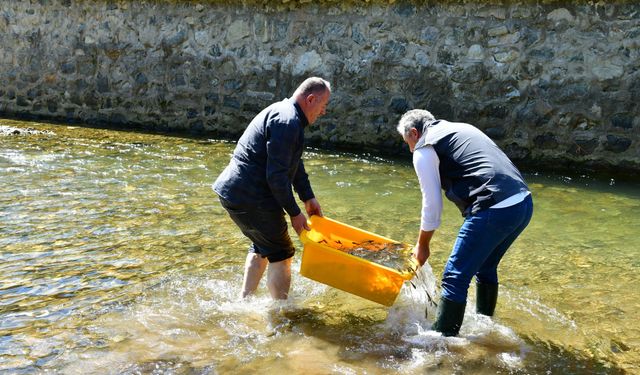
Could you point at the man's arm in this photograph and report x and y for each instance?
(280, 138)
(303, 187)
(426, 164)
(301, 183)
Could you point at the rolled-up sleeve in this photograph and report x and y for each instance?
(426, 164)
(281, 138)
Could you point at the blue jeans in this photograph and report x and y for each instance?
(482, 242)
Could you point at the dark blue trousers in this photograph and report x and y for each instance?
(482, 241)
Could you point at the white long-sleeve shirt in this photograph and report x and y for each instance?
(426, 163)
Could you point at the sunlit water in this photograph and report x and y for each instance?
(116, 258)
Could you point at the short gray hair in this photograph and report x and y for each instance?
(312, 85)
(414, 119)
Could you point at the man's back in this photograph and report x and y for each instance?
(266, 160)
(475, 173)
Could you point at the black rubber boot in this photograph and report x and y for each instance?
(486, 298)
(449, 318)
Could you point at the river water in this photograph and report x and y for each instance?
(116, 258)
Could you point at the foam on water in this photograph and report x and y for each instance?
(479, 334)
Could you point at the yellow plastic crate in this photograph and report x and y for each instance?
(341, 270)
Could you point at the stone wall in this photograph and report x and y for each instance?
(554, 83)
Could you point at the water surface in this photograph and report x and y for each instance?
(115, 257)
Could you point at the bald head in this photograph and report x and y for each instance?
(312, 85)
(313, 96)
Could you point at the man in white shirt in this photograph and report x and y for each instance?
(491, 195)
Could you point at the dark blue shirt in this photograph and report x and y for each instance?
(267, 162)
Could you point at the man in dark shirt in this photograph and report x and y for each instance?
(255, 188)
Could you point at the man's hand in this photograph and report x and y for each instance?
(313, 207)
(421, 253)
(299, 222)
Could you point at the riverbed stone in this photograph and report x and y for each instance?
(607, 72)
(175, 39)
(231, 102)
(506, 57)
(560, 14)
(517, 151)
(497, 31)
(496, 132)
(309, 62)
(475, 52)
(504, 40)
(238, 30)
(399, 105)
(102, 84)
(546, 141)
(52, 105)
(617, 144)
(622, 120)
(583, 145)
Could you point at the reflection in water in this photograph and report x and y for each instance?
(115, 257)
